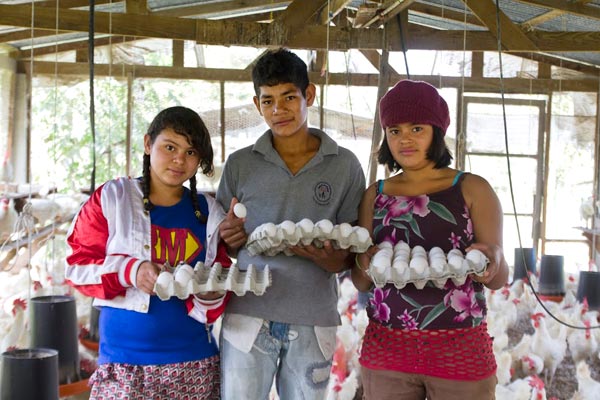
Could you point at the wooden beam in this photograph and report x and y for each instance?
(373, 57)
(422, 38)
(389, 10)
(178, 50)
(74, 46)
(540, 19)
(570, 7)
(544, 71)
(548, 16)
(23, 34)
(327, 14)
(559, 62)
(136, 7)
(263, 35)
(297, 14)
(511, 35)
(477, 64)
(492, 85)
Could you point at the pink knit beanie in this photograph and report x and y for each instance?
(414, 101)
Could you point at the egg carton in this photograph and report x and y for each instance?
(401, 265)
(185, 280)
(270, 239)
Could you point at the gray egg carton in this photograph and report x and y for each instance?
(401, 265)
(271, 239)
(185, 280)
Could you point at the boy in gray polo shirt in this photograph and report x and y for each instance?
(291, 172)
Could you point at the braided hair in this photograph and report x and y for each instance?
(188, 123)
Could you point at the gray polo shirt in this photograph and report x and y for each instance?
(329, 186)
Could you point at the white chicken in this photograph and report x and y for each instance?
(587, 388)
(538, 391)
(69, 203)
(582, 343)
(44, 210)
(551, 350)
(15, 336)
(8, 217)
(504, 368)
(516, 390)
(531, 364)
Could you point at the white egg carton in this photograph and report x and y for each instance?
(185, 280)
(401, 265)
(270, 239)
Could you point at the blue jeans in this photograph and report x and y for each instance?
(288, 353)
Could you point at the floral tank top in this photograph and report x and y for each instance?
(439, 219)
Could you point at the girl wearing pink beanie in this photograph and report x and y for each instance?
(428, 343)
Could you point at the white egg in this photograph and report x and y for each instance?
(438, 266)
(240, 210)
(385, 245)
(436, 251)
(345, 229)
(184, 273)
(325, 226)
(419, 265)
(400, 266)
(381, 259)
(288, 227)
(418, 251)
(381, 263)
(362, 234)
(455, 263)
(477, 259)
(164, 278)
(455, 252)
(306, 225)
(269, 229)
(402, 254)
(401, 245)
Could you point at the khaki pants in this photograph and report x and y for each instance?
(392, 385)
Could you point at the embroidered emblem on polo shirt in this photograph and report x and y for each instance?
(323, 193)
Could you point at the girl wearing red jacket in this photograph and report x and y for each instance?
(118, 243)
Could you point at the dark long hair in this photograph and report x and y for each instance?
(438, 152)
(188, 123)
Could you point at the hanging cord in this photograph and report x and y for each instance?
(92, 113)
(399, 20)
(51, 238)
(111, 95)
(29, 174)
(347, 59)
(461, 136)
(499, 42)
(326, 66)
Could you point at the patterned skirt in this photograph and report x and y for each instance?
(193, 380)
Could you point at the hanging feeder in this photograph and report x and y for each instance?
(54, 326)
(552, 278)
(589, 288)
(29, 374)
(525, 263)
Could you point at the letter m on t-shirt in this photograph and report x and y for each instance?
(174, 245)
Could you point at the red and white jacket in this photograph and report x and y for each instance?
(109, 239)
